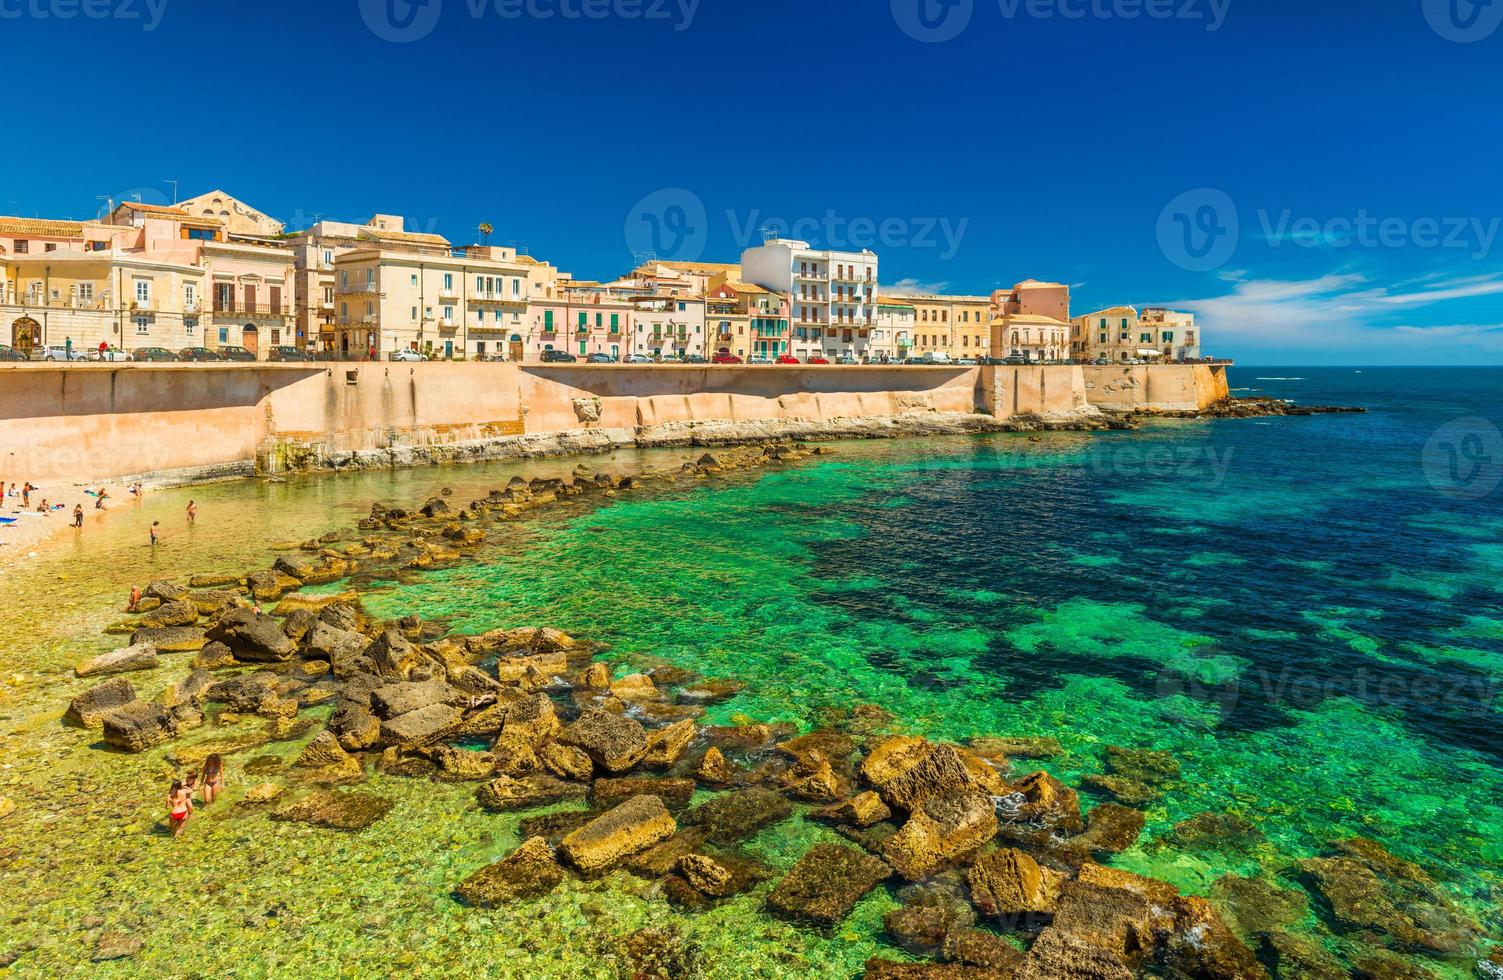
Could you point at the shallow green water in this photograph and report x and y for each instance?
(1286, 607)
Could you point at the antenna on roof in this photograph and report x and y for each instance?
(109, 205)
(769, 232)
(173, 182)
(137, 196)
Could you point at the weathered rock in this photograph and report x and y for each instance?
(661, 858)
(391, 700)
(746, 738)
(253, 637)
(1201, 945)
(814, 780)
(711, 691)
(665, 745)
(527, 872)
(165, 591)
(1143, 765)
(1056, 955)
(137, 726)
(1112, 919)
(180, 612)
(334, 644)
(468, 765)
(975, 947)
(811, 749)
(566, 761)
(826, 884)
(213, 581)
(534, 672)
(214, 656)
(1256, 906)
(943, 828)
(1215, 833)
(736, 815)
(1160, 893)
(877, 968)
(909, 771)
(192, 689)
(657, 951)
(137, 656)
(354, 726)
(245, 692)
(707, 875)
(171, 639)
(614, 742)
(714, 769)
(116, 945)
(616, 835)
(608, 792)
(1371, 890)
(862, 810)
(262, 793)
(393, 656)
(421, 727)
(926, 916)
(270, 585)
(335, 809)
(1128, 791)
(1301, 957)
(324, 752)
(506, 793)
(531, 721)
(1112, 829)
(89, 708)
(634, 687)
(1387, 966)
(596, 677)
(1009, 884)
(215, 601)
(1042, 800)
(1025, 747)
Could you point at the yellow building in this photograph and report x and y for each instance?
(959, 326)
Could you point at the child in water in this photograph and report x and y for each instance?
(179, 806)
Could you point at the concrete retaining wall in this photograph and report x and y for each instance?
(92, 422)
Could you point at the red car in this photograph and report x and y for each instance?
(787, 359)
(725, 358)
(816, 360)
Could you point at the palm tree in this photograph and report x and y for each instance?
(485, 232)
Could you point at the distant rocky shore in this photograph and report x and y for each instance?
(997, 868)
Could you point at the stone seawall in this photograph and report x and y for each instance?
(79, 423)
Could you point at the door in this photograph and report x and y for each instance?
(249, 339)
(25, 335)
(514, 349)
(448, 350)
(250, 299)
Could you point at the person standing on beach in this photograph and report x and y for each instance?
(179, 806)
(192, 512)
(78, 515)
(26, 496)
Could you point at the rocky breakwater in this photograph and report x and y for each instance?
(1250, 408)
(995, 867)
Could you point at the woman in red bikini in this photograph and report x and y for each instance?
(179, 806)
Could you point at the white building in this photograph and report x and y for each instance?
(832, 295)
(1170, 332)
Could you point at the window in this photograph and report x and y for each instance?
(547, 321)
(190, 295)
(224, 335)
(143, 290)
(413, 316)
(344, 278)
(86, 290)
(448, 281)
(190, 325)
(414, 280)
(582, 319)
(22, 246)
(200, 234)
(615, 323)
(50, 247)
(448, 314)
(143, 324)
(370, 278)
(682, 307)
(328, 294)
(328, 256)
(480, 284)
(516, 287)
(1168, 336)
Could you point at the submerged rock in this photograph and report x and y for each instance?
(826, 884)
(976, 947)
(137, 726)
(1044, 801)
(335, 809)
(137, 656)
(714, 769)
(675, 793)
(421, 727)
(940, 830)
(736, 815)
(662, 858)
(1127, 790)
(527, 872)
(907, 771)
(1299, 956)
(116, 945)
(506, 793)
(614, 742)
(1257, 906)
(1143, 765)
(171, 639)
(665, 745)
(1056, 955)
(1008, 884)
(615, 836)
(862, 810)
(925, 918)
(1112, 919)
(1201, 945)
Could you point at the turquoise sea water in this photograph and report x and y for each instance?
(1307, 612)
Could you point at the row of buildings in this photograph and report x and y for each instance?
(214, 272)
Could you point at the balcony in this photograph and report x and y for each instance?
(241, 308)
(356, 288)
(448, 293)
(812, 275)
(495, 297)
(368, 318)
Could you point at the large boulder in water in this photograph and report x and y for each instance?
(1008, 883)
(940, 830)
(737, 815)
(392, 700)
(335, 809)
(615, 836)
(528, 872)
(505, 793)
(137, 726)
(1057, 954)
(614, 742)
(172, 639)
(907, 771)
(421, 727)
(89, 708)
(253, 637)
(178, 613)
(355, 726)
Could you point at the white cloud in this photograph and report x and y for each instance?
(912, 287)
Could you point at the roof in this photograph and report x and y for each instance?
(699, 266)
(171, 212)
(1037, 318)
(744, 287)
(902, 301)
(40, 227)
(381, 234)
(1035, 282)
(1112, 311)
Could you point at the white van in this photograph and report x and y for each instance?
(936, 357)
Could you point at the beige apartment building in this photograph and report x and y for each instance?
(471, 302)
(892, 331)
(235, 216)
(1032, 321)
(959, 326)
(746, 320)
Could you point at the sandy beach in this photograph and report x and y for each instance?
(27, 531)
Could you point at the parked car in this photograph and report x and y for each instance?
(233, 353)
(1015, 359)
(725, 357)
(1102, 361)
(152, 354)
(638, 359)
(108, 354)
(197, 354)
(758, 359)
(670, 359)
(406, 354)
(816, 359)
(58, 352)
(558, 357)
(695, 359)
(11, 354)
(846, 359)
(787, 359)
(935, 357)
(599, 358)
(967, 361)
(285, 352)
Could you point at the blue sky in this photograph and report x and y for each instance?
(1319, 181)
